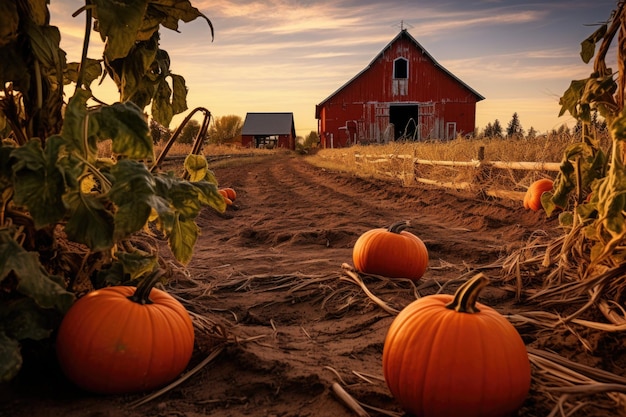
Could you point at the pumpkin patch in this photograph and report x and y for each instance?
(123, 339)
(392, 252)
(449, 355)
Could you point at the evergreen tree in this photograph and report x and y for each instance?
(497, 129)
(532, 133)
(488, 132)
(514, 129)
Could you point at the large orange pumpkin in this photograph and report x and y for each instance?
(449, 356)
(532, 198)
(123, 339)
(391, 252)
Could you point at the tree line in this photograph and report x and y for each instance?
(225, 130)
(514, 129)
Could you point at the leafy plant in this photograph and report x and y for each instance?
(71, 221)
(586, 168)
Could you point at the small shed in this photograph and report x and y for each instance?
(402, 94)
(269, 130)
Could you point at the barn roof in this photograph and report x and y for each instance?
(404, 33)
(269, 124)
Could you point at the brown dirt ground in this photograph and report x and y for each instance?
(268, 273)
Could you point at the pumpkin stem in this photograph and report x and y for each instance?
(142, 293)
(397, 227)
(466, 295)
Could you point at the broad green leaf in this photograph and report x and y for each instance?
(588, 46)
(182, 239)
(185, 198)
(566, 219)
(10, 358)
(74, 125)
(161, 109)
(547, 202)
(131, 191)
(39, 184)
(91, 72)
(126, 125)
(118, 24)
(179, 97)
(137, 73)
(175, 10)
(32, 279)
(614, 220)
(137, 263)
(571, 98)
(209, 196)
(197, 167)
(45, 41)
(89, 221)
(23, 319)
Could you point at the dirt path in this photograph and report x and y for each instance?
(270, 271)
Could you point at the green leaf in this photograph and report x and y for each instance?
(588, 46)
(23, 319)
(571, 98)
(161, 109)
(197, 167)
(208, 195)
(174, 10)
(139, 72)
(118, 24)
(182, 239)
(132, 191)
(138, 263)
(89, 221)
(92, 71)
(11, 358)
(179, 97)
(45, 41)
(126, 125)
(39, 184)
(32, 279)
(73, 129)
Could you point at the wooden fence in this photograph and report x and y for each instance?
(479, 167)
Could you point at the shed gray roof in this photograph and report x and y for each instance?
(268, 124)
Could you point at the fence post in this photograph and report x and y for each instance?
(481, 173)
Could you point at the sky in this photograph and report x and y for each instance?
(288, 55)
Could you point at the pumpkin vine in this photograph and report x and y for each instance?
(72, 221)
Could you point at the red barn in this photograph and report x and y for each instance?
(269, 130)
(403, 94)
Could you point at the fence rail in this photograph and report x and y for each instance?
(477, 183)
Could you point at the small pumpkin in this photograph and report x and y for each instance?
(449, 355)
(227, 199)
(391, 252)
(228, 192)
(532, 198)
(124, 339)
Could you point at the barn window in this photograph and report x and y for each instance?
(400, 68)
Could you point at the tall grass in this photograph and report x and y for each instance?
(545, 148)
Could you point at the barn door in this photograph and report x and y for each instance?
(405, 118)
